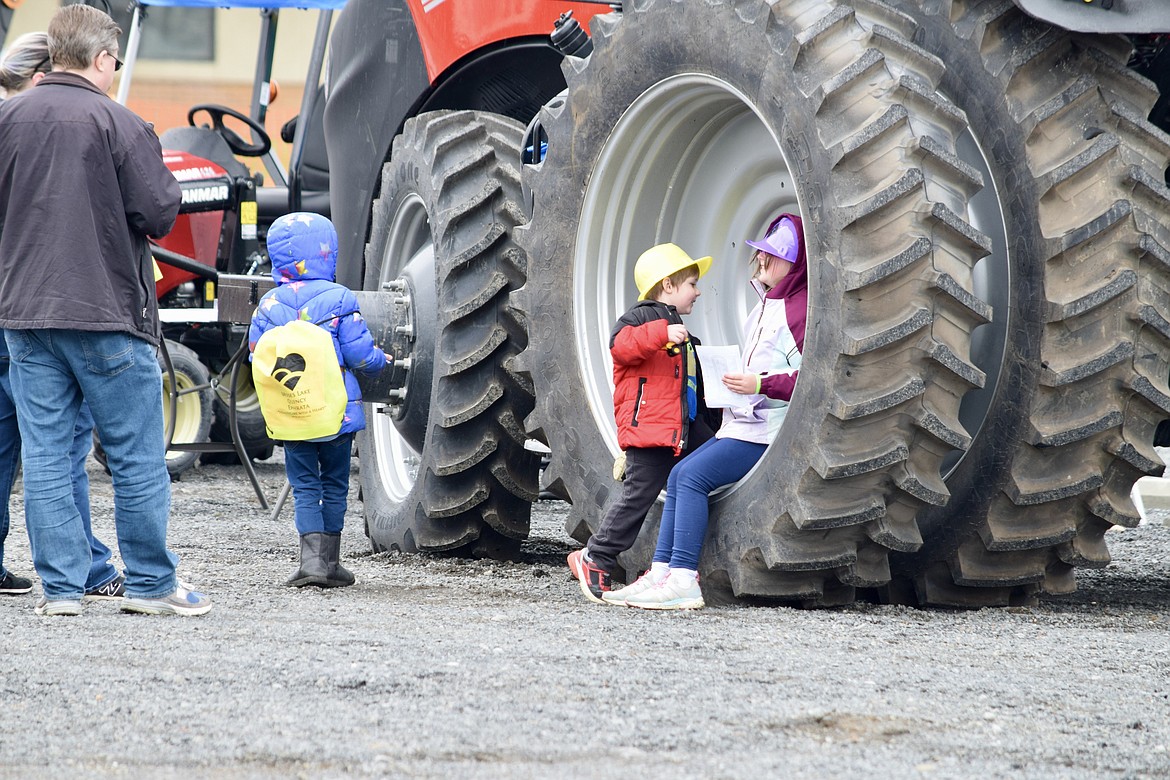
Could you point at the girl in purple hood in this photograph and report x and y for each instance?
(773, 340)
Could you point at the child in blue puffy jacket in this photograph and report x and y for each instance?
(303, 251)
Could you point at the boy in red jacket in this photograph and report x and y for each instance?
(657, 403)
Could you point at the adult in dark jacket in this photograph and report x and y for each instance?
(25, 63)
(82, 185)
(657, 404)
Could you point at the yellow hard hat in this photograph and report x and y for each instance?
(659, 262)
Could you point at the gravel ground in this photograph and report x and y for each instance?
(436, 667)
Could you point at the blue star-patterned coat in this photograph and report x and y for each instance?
(303, 250)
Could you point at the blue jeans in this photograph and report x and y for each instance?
(684, 515)
(319, 474)
(101, 570)
(117, 375)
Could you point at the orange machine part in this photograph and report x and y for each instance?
(449, 29)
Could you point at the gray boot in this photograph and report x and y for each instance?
(338, 576)
(314, 568)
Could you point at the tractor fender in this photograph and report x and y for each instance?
(365, 82)
(379, 78)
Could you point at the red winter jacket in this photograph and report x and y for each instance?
(649, 396)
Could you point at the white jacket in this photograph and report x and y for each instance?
(769, 349)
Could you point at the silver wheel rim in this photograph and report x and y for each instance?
(993, 281)
(692, 150)
(408, 242)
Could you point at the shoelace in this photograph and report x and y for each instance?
(661, 583)
(651, 585)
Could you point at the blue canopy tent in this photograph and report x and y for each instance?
(269, 12)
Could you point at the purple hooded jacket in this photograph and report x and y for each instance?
(773, 345)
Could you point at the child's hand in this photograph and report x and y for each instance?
(744, 384)
(676, 334)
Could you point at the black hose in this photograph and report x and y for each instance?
(184, 263)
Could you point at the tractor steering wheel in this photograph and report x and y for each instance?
(234, 141)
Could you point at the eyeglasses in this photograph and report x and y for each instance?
(44, 66)
(117, 62)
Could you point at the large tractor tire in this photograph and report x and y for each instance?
(1076, 206)
(445, 468)
(824, 108)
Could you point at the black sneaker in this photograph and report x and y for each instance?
(593, 580)
(11, 585)
(111, 591)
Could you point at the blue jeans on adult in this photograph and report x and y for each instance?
(319, 474)
(101, 570)
(53, 372)
(684, 515)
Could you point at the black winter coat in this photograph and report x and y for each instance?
(82, 184)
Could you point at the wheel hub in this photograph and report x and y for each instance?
(390, 316)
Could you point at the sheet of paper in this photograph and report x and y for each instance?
(714, 363)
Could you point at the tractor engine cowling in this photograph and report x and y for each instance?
(208, 194)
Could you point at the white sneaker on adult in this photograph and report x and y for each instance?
(58, 607)
(183, 601)
(677, 591)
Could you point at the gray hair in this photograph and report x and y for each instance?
(78, 34)
(27, 56)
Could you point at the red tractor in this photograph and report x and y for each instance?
(983, 186)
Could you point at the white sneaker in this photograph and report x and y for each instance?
(643, 583)
(183, 601)
(58, 607)
(674, 592)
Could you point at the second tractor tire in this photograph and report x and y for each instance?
(448, 470)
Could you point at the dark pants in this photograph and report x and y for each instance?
(319, 474)
(646, 471)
